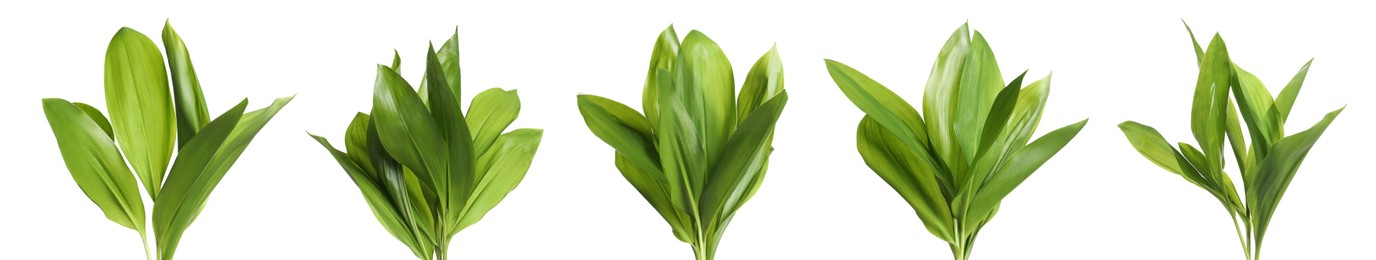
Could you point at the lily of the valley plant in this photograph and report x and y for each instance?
(427, 169)
(1267, 164)
(700, 150)
(144, 126)
(972, 149)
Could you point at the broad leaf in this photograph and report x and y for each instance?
(140, 105)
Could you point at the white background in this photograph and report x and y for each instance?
(1098, 199)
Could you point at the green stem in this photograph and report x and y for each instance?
(442, 249)
(701, 252)
(143, 237)
(1246, 245)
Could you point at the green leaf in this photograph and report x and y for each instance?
(707, 88)
(1286, 99)
(199, 167)
(459, 173)
(741, 160)
(95, 163)
(491, 112)
(1155, 148)
(406, 128)
(883, 105)
(680, 148)
(140, 105)
(1275, 172)
(902, 169)
(979, 85)
(1198, 52)
(502, 168)
(1000, 112)
(380, 203)
(1257, 109)
(97, 117)
(1023, 163)
(939, 97)
(356, 142)
(396, 61)
(190, 181)
(1207, 118)
(652, 186)
(186, 89)
(449, 63)
(765, 80)
(664, 57)
(623, 129)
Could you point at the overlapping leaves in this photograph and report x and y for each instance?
(1268, 162)
(972, 149)
(426, 169)
(701, 149)
(144, 125)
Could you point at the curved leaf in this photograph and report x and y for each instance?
(490, 113)
(900, 167)
(502, 168)
(95, 163)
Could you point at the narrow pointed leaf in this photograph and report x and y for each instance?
(186, 89)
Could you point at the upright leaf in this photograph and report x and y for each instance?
(939, 96)
(707, 88)
(979, 85)
(186, 89)
(491, 112)
(406, 129)
(1275, 172)
(663, 57)
(1207, 118)
(140, 106)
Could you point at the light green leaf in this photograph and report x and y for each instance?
(199, 168)
(979, 85)
(1023, 163)
(97, 117)
(1257, 107)
(95, 163)
(880, 103)
(1286, 99)
(707, 88)
(939, 97)
(140, 105)
(491, 112)
(765, 80)
(449, 63)
(1275, 172)
(502, 168)
(1207, 119)
(664, 56)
